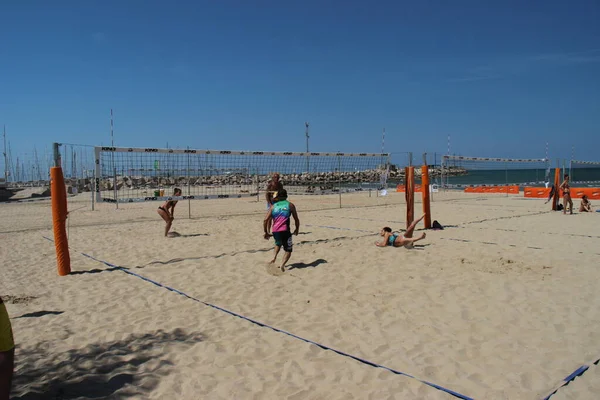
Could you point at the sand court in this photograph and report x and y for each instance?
(500, 304)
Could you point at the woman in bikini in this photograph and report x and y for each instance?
(167, 210)
(566, 188)
(396, 239)
(585, 205)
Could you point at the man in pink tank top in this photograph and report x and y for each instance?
(279, 215)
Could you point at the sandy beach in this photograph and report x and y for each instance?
(502, 304)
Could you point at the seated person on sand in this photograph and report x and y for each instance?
(167, 210)
(585, 205)
(396, 239)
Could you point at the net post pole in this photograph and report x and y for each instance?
(97, 173)
(189, 186)
(115, 190)
(340, 179)
(409, 193)
(556, 188)
(93, 191)
(58, 193)
(257, 185)
(425, 192)
(506, 178)
(442, 164)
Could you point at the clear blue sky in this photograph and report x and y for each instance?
(501, 78)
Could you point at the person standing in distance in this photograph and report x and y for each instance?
(273, 187)
(279, 215)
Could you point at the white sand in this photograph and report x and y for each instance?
(502, 306)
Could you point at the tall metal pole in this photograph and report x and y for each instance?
(571, 162)
(307, 151)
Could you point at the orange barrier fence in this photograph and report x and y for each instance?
(493, 189)
(402, 188)
(58, 192)
(576, 193)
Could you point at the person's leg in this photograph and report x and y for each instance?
(164, 215)
(570, 205)
(286, 258)
(406, 240)
(288, 246)
(411, 227)
(276, 252)
(565, 201)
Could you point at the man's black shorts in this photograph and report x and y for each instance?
(284, 239)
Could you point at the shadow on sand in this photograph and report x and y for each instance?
(37, 314)
(177, 234)
(117, 369)
(303, 265)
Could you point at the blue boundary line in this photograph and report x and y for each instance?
(571, 377)
(261, 324)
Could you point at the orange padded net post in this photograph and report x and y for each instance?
(556, 189)
(410, 195)
(425, 195)
(59, 217)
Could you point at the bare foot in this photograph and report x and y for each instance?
(272, 261)
(282, 268)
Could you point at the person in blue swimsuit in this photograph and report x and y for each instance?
(396, 239)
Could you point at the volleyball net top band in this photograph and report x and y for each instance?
(125, 174)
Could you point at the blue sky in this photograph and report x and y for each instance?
(502, 78)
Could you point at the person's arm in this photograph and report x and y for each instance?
(296, 219)
(562, 185)
(268, 218)
(268, 194)
(173, 210)
(384, 242)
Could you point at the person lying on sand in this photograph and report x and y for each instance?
(585, 205)
(396, 239)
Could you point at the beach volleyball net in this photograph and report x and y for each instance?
(125, 175)
(584, 172)
(499, 175)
